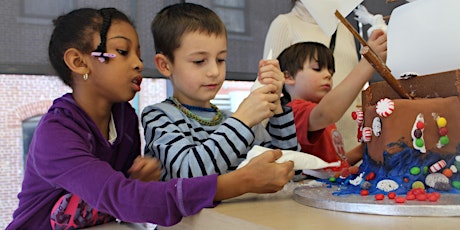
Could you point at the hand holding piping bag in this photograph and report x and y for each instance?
(276, 80)
(257, 83)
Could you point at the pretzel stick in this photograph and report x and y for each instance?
(375, 60)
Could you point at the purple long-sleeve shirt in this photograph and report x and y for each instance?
(68, 154)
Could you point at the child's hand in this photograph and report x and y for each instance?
(265, 175)
(145, 169)
(378, 42)
(259, 105)
(270, 73)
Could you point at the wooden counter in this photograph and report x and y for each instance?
(280, 211)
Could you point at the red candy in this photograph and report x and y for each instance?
(442, 131)
(379, 196)
(417, 191)
(370, 176)
(410, 196)
(436, 194)
(391, 195)
(364, 192)
(421, 197)
(400, 200)
(420, 125)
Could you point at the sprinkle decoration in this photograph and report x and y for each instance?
(385, 107)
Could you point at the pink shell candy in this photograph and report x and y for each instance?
(385, 107)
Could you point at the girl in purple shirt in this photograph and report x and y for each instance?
(86, 149)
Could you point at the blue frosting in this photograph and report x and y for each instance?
(396, 167)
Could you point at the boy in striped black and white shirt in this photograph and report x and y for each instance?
(189, 135)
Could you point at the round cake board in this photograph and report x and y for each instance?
(322, 197)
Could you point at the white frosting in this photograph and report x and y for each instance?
(301, 160)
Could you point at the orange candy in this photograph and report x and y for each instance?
(447, 172)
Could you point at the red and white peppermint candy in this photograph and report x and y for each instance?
(367, 134)
(385, 107)
(438, 166)
(359, 117)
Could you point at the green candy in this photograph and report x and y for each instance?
(419, 143)
(415, 170)
(444, 140)
(456, 184)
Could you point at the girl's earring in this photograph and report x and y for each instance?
(85, 76)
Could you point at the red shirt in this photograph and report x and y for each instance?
(326, 143)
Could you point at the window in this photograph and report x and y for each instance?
(43, 11)
(233, 14)
(28, 128)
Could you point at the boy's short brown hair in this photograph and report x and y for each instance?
(172, 22)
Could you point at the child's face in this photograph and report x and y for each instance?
(117, 79)
(312, 83)
(198, 71)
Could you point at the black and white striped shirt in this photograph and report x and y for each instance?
(187, 148)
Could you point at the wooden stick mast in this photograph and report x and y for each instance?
(375, 60)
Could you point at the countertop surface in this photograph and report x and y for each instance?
(281, 211)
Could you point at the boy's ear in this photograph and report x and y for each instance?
(75, 60)
(163, 64)
(288, 79)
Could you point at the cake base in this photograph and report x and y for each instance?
(322, 197)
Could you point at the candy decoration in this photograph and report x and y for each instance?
(367, 134)
(456, 184)
(376, 126)
(442, 131)
(379, 196)
(385, 107)
(387, 185)
(418, 184)
(438, 166)
(447, 172)
(391, 195)
(360, 134)
(370, 176)
(415, 170)
(417, 134)
(441, 121)
(358, 116)
(400, 200)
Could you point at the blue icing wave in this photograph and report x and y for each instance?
(397, 167)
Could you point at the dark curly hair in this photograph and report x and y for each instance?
(74, 30)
